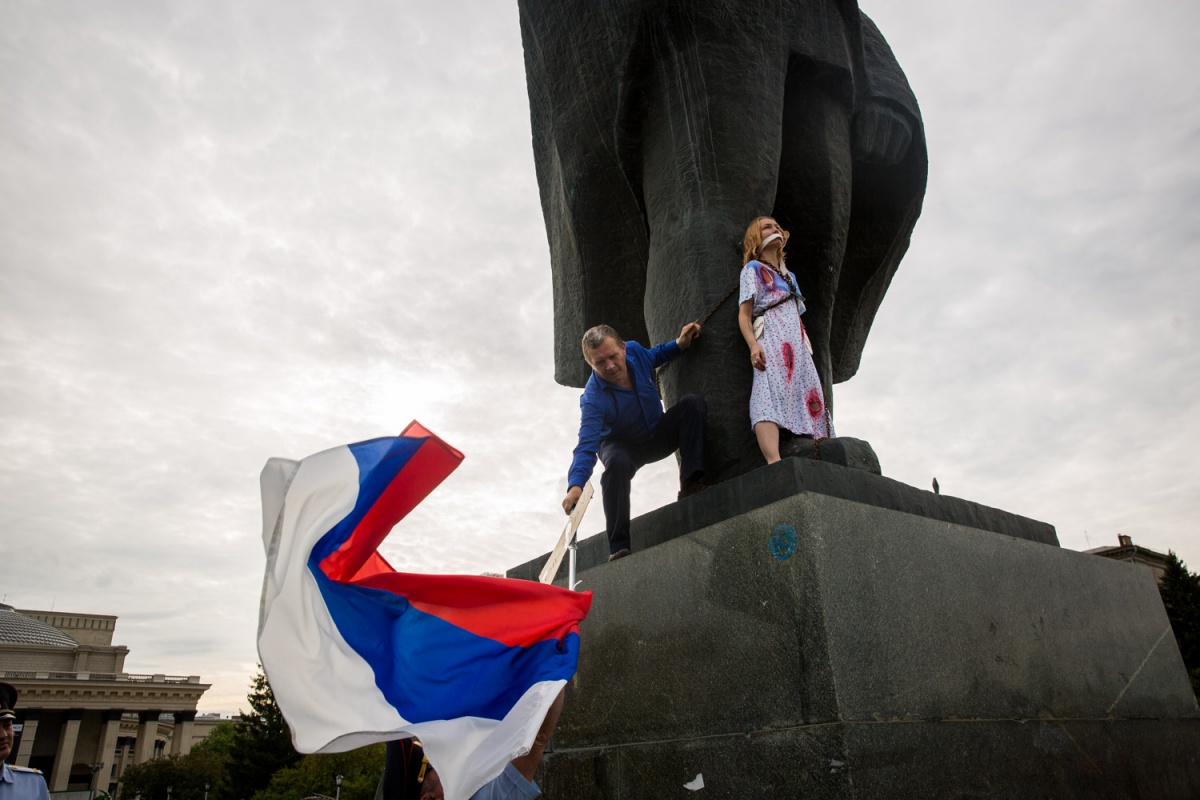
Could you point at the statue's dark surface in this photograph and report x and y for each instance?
(661, 128)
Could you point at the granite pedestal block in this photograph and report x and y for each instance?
(844, 451)
(821, 647)
(784, 479)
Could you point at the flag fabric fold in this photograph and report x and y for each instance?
(358, 653)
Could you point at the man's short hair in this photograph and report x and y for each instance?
(596, 336)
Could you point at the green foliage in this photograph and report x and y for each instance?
(260, 744)
(1180, 591)
(252, 757)
(317, 775)
(217, 746)
(220, 740)
(185, 775)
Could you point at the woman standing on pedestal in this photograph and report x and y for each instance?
(787, 391)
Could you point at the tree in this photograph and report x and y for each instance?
(1180, 592)
(261, 744)
(221, 739)
(218, 746)
(185, 775)
(317, 774)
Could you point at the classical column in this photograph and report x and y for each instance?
(110, 728)
(147, 730)
(64, 759)
(125, 755)
(181, 737)
(28, 734)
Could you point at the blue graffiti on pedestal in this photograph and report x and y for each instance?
(783, 541)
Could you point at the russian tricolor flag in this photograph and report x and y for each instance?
(358, 653)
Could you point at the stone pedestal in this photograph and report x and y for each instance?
(824, 647)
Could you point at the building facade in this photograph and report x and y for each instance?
(1126, 550)
(82, 718)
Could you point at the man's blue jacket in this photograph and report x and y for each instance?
(611, 412)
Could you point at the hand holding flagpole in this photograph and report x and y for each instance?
(567, 539)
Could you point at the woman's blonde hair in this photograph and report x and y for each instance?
(752, 242)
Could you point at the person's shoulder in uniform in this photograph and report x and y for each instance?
(27, 783)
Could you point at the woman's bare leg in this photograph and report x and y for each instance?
(767, 434)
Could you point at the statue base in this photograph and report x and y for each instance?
(848, 639)
(845, 451)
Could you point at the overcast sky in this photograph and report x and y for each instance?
(231, 231)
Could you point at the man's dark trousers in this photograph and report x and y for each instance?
(680, 428)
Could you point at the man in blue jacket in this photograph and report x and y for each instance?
(623, 423)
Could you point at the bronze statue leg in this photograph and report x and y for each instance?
(715, 149)
(813, 198)
(710, 147)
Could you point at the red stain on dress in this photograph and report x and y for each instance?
(789, 359)
(815, 406)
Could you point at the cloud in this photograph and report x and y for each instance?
(233, 232)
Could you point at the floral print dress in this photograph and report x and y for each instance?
(788, 392)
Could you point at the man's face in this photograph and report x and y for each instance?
(431, 788)
(6, 738)
(609, 361)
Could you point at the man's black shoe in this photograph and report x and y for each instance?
(619, 554)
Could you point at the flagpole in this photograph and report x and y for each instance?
(571, 563)
(566, 541)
